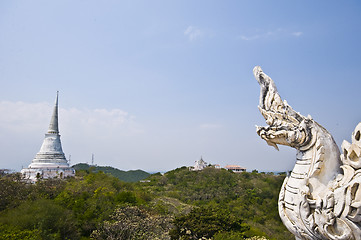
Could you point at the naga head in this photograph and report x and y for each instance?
(285, 126)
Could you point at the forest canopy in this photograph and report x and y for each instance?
(180, 204)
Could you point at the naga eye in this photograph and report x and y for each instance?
(357, 136)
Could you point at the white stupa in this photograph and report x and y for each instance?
(50, 161)
(199, 165)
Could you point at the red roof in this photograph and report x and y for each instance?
(234, 167)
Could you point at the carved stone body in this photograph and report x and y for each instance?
(321, 198)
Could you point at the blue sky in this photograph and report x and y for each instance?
(154, 85)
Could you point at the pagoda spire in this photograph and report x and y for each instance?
(50, 161)
(54, 127)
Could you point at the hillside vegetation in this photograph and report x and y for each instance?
(126, 176)
(181, 204)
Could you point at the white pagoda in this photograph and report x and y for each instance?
(50, 161)
(199, 165)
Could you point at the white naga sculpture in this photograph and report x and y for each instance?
(321, 198)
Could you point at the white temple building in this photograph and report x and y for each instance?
(199, 165)
(50, 161)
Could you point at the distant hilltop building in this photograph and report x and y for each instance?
(199, 165)
(217, 166)
(50, 161)
(235, 168)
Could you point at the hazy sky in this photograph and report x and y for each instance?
(155, 85)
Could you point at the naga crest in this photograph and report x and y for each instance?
(321, 198)
(286, 126)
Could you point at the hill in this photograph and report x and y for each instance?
(126, 176)
(211, 204)
(252, 196)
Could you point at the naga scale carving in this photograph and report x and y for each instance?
(321, 198)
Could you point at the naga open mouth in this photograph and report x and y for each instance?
(285, 126)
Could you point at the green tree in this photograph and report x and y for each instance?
(13, 191)
(94, 198)
(132, 222)
(206, 222)
(14, 233)
(42, 216)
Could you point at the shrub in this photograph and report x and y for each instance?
(132, 222)
(206, 222)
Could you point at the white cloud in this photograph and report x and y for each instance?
(249, 38)
(116, 139)
(25, 117)
(278, 33)
(105, 132)
(90, 120)
(297, 34)
(193, 33)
